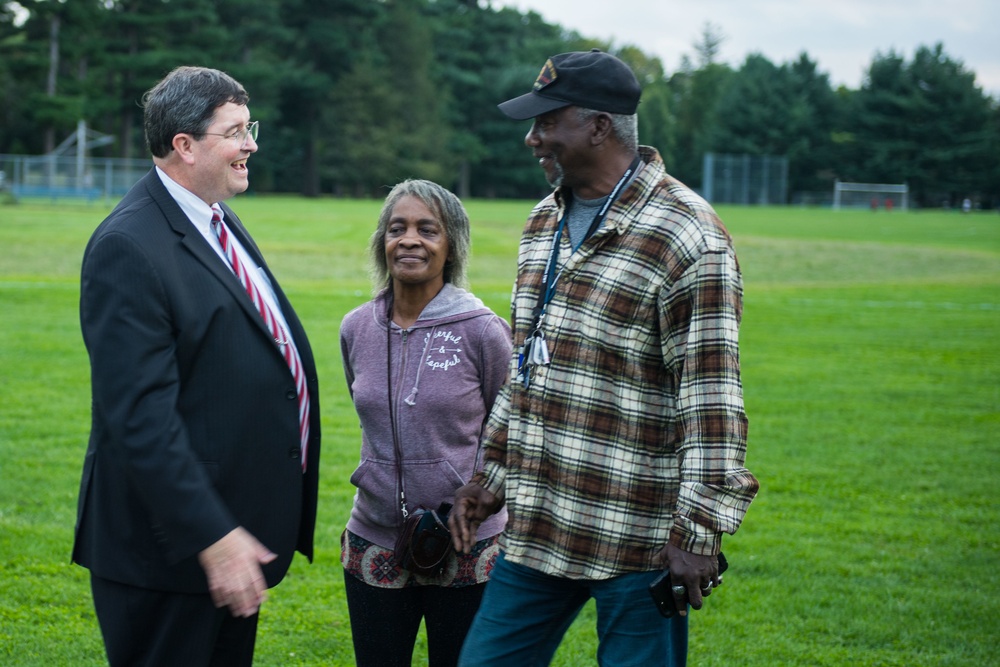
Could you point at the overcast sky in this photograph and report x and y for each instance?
(841, 36)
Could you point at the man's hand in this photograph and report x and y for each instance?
(473, 505)
(235, 579)
(697, 574)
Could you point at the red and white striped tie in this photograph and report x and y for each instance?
(278, 333)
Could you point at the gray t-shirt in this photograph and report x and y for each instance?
(581, 213)
(580, 216)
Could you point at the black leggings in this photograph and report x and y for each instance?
(385, 621)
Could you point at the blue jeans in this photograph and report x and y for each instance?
(525, 613)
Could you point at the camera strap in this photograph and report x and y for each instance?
(392, 410)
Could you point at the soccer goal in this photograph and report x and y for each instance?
(870, 195)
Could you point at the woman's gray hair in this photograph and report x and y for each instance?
(449, 211)
(625, 127)
(185, 101)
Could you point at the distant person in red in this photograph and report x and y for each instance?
(888, 204)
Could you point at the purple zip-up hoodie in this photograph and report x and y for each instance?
(446, 371)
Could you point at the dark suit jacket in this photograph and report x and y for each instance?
(194, 417)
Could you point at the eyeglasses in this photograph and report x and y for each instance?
(240, 135)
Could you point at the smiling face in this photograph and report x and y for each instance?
(416, 246)
(560, 139)
(220, 162)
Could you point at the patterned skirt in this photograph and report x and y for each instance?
(375, 565)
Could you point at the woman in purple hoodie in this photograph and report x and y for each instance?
(424, 361)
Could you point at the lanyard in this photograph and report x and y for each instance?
(549, 288)
(535, 351)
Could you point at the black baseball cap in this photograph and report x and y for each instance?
(589, 79)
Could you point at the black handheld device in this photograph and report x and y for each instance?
(663, 597)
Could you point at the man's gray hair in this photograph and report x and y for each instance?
(625, 127)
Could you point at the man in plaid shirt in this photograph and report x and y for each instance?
(619, 444)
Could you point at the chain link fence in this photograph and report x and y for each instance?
(56, 177)
(744, 179)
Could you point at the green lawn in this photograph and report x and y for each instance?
(872, 381)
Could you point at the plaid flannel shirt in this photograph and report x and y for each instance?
(635, 434)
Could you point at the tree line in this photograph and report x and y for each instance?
(355, 95)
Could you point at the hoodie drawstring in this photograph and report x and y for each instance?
(411, 399)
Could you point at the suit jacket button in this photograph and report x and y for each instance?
(290, 394)
(294, 453)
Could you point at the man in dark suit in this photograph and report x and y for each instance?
(200, 478)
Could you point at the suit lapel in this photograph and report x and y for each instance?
(195, 243)
(192, 240)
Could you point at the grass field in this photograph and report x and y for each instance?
(872, 382)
